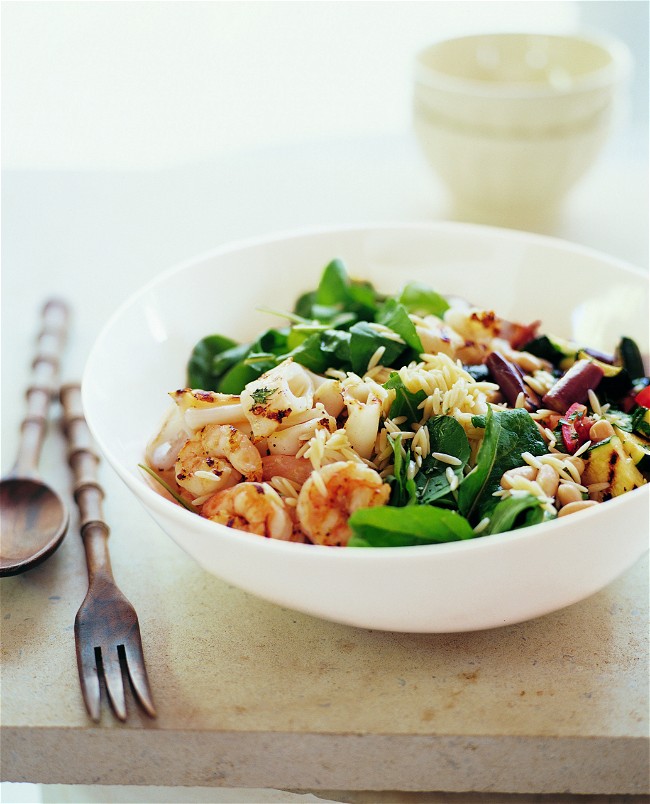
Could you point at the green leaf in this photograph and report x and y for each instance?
(406, 402)
(272, 340)
(508, 433)
(403, 491)
(447, 436)
(514, 513)
(323, 350)
(364, 342)
(363, 298)
(234, 380)
(641, 421)
(395, 316)
(333, 286)
(629, 356)
(384, 526)
(210, 358)
(421, 300)
(304, 305)
(260, 356)
(220, 364)
(338, 300)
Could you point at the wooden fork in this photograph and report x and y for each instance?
(107, 633)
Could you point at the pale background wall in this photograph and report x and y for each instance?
(148, 84)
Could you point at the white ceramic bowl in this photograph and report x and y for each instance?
(511, 121)
(487, 582)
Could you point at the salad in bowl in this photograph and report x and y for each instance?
(373, 420)
(409, 427)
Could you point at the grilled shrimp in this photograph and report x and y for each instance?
(253, 507)
(331, 494)
(215, 458)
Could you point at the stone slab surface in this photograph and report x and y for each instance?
(248, 693)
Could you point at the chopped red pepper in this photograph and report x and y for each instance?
(575, 426)
(643, 397)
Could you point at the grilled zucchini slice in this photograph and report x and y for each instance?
(641, 421)
(637, 448)
(608, 462)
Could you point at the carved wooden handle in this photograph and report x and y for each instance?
(43, 386)
(88, 494)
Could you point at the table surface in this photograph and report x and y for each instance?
(249, 694)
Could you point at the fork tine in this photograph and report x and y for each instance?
(138, 674)
(88, 676)
(113, 678)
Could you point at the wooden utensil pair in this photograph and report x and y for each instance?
(35, 521)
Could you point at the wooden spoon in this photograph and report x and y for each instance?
(33, 516)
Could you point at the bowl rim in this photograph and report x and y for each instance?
(166, 508)
(617, 70)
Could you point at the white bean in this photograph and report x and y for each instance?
(529, 472)
(580, 505)
(548, 479)
(568, 493)
(601, 430)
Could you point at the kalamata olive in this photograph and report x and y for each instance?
(573, 386)
(509, 379)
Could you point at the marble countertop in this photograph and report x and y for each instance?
(250, 694)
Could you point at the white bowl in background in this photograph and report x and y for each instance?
(484, 583)
(511, 121)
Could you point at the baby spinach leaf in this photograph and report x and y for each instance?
(364, 342)
(508, 433)
(395, 316)
(323, 350)
(220, 364)
(402, 486)
(333, 288)
(447, 436)
(304, 305)
(272, 340)
(258, 357)
(515, 512)
(234, 380)
(337, 293)
(337, 289)
(384, 526)
(210, 358)
(431, 482)
(421, 300)
(406, 402)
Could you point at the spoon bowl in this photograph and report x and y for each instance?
(34, 522)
